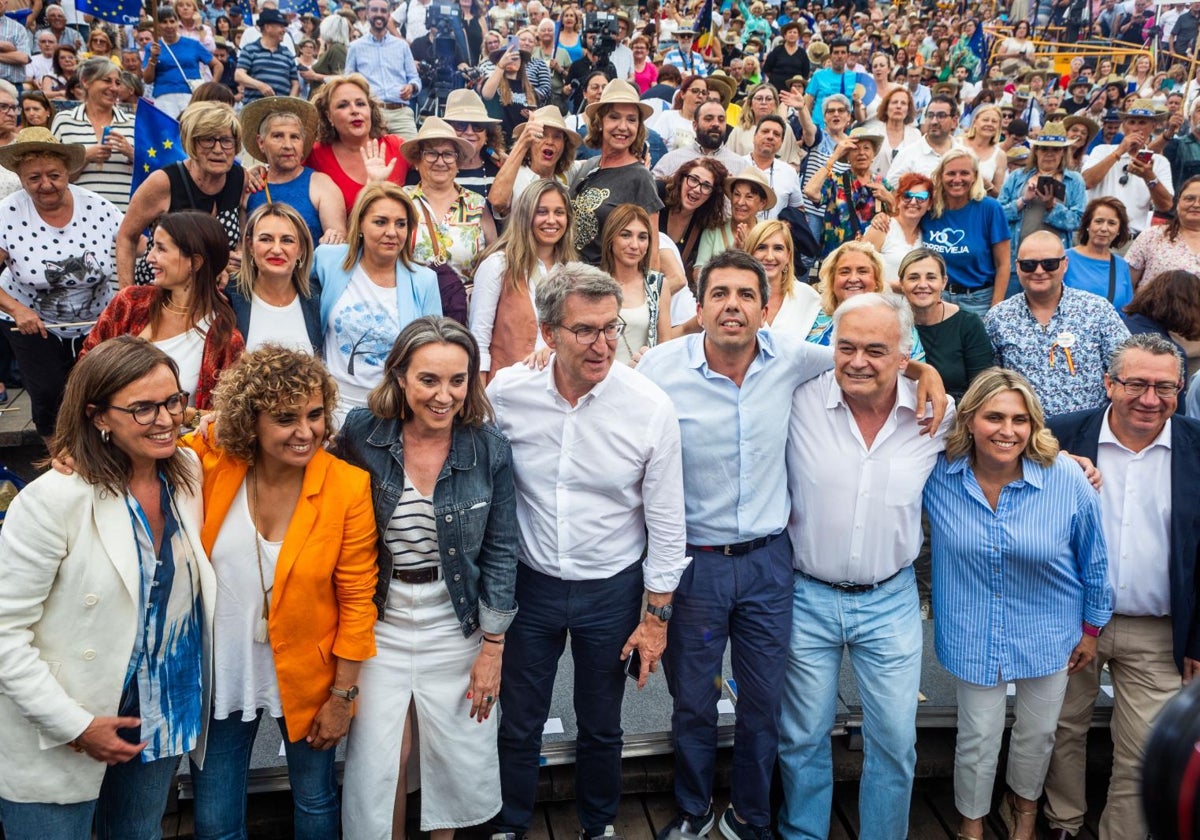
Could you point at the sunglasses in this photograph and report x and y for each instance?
(1047, 264)
(916, 195)
(460, 127)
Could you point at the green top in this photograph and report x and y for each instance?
(958, 348)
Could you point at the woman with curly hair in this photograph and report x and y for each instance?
(291, 533)
(503, 313)
(353, 146)
(695, 211)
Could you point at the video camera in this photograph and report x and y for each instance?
(606, 28)
(446, 18)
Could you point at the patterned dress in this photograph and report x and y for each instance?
(459, 233)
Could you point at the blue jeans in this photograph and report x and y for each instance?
(220, 808)
(745, 601)
(133, 797)
(882, 630)
(600, 615)
(978, 301)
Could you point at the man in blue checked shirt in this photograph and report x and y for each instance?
(387, 63)
(857, 461)
(726, 384)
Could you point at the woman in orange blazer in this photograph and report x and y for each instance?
(291, 533)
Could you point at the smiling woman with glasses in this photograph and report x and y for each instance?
(695, 212)
(895, 235)
(209, 180)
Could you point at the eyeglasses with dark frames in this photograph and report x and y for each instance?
(145, 413)
(698, 184)
(207, 143)
(1137, 387)
(588, 335)
(445, 156)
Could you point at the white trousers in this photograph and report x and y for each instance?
(981, 713)
(421, 656)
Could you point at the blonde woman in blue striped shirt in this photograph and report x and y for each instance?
(1020, 589)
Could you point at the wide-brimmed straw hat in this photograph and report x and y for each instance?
(726, 85)
(1093, 128)
(253, 115)
(1147, 108)
(1052, 136)
(434, 129)
(870, 135)
(39, 139)
(620, 92)
(464, 105)
(751, 175)
(550, 117)
(817, 51)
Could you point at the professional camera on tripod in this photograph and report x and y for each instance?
(607, 30)
(443, 74)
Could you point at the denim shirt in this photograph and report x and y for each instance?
(474, 505)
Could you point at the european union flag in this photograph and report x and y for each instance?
(301, 7)
(155, 142)
(124, 12)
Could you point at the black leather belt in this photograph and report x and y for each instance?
(737, 549)
(427, 575)
(847, 587)
(956, 289)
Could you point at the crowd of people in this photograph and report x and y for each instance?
(460, 332)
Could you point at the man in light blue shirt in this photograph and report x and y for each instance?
(730, 387)
(387, 63)
(830, 80)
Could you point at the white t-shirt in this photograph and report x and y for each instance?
(39, 66)
(66, 275)
(187, 349)
(1134, 193)
(245, 669)
(282, 325)
(362, 326)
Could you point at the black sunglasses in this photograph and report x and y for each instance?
(1047, 264)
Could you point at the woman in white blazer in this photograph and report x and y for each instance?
(105, 610)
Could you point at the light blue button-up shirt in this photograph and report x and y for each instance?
(734, 478)
(388, 65)
(1012, 587)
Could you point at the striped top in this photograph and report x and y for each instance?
(112, 178)
(411, 534)
(276, 68)
(1011, 587)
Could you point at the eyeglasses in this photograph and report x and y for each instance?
(9, 109)
(588, 335)
(463, 127)
(1136, 387)
(1047, 264)
(207, 143)
(145, 413)
(938, 115)
(1187, 199)
(916, 195)
(433, 156)
(698, 184)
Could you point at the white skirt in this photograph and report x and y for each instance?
(421, 655)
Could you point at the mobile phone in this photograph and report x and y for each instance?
(1144, 156)
(633, 665)
(1050, 184)
(512, 42)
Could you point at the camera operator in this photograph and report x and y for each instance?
(594, 58)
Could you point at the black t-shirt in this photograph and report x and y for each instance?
(779, 66)
(598, 192)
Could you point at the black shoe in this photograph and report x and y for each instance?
(609, 833)
(734, 829)
(689, 825)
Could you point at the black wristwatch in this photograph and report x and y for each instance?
(345, 693)
(662, 613)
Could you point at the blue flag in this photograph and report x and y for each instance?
(301, 7)
(704, 20)
(155, 142)
(124, 12)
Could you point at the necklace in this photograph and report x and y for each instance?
(177, 310)
(260, 629)
(942, 311)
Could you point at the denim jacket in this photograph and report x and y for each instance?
(475, 509)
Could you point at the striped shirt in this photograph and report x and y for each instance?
(411, 533)
(21, 40)
(112, 178)
(276, 68)
(1011, 587)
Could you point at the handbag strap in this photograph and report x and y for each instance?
(176, 60)
(438, 257)
(846, 185)
(1112, 277)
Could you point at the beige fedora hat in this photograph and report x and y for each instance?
(620, 92)
(464, 105)
(550, 117)
(751, 175)
(434, 129)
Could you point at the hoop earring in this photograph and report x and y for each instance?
(106, 435)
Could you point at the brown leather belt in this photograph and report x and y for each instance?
(394, 106)
(427, 575)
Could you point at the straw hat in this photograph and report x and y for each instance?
(39, 139)
(869, 134)
(620, 92)
(253, 115)
(948, 87)
(725, 85)
(1052, 136)
(1018, 155)
(1112, 115)
(686, 29)
(1022, 92)
(818, 51)
(1079, 81)
(751, 175)
(1144, 108)
(800, 80)
(1079, 119)
(434, 129)
(464, 105)
(551, 117)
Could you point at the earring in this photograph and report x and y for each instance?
(403, 402)
(105, 435)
